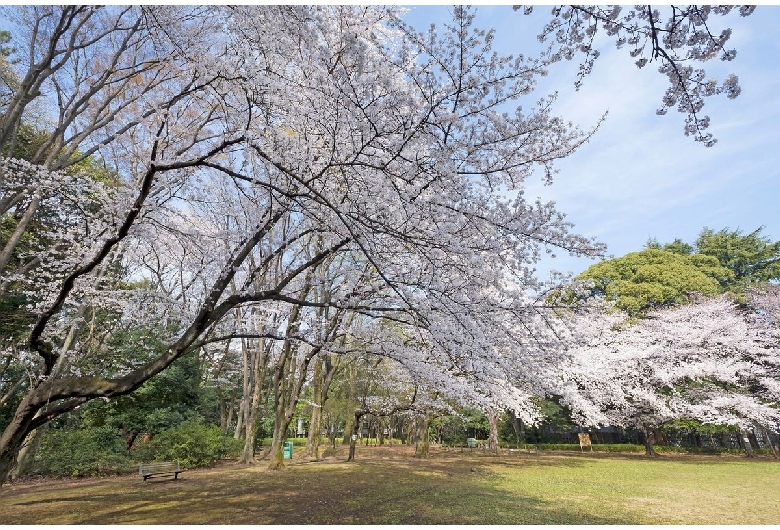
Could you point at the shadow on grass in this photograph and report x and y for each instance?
(385, 487)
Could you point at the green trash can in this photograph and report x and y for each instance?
(288, 446)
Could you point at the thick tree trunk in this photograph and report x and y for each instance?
(26, 457)
(276, 455)
(648, 440)
(421, 448)
(15, 433)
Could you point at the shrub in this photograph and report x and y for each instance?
(191, 444)
(80, 453)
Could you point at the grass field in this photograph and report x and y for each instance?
(388, 486)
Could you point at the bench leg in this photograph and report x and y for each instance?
(176, 475)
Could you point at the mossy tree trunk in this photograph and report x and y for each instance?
(423, 443)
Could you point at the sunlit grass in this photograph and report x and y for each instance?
(389, 486)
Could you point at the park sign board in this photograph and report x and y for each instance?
(585, 441)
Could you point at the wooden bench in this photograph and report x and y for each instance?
(160, 468)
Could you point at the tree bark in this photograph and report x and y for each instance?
(769, 442)
(315, 422)
(648, 441)
(354, 434)
(421, 448)
(493, 424)
(743, 434)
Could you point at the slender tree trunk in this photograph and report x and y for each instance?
(246, 394)
(258, 356)
(24, 222)
(288, 382)
(769, 442)
(493, 425)
(746, 441)
(315, 424)
(648, 440)
(518, 428)
(354, 435)
(348, 426)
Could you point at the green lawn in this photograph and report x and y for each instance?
(387, 485)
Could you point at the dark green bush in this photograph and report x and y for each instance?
(80, 453)
(191, 444)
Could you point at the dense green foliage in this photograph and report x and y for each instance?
(752, 258)
(655, 278)
(191, 444)
(82, 452)
(663, 275)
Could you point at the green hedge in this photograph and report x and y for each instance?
(636, 448)
(86, 452)
(191, 444)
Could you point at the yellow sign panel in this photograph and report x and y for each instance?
(584, 440)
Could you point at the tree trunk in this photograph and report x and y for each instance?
(289, 377)
(421, 448)
(769, 442)
(258, 357)
(517, 426)
(315, 424)
(354, 435)
(351, 395)
(648, 440)
(26, 457)
(746, 442)
(381, 432)
(246, 394)
(276, 455)
(15, 433)
(493, 424)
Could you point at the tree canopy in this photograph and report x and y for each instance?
(752, 258)
(655, 278)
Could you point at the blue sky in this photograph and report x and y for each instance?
(640, 177)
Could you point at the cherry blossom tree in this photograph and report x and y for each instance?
(677, 39)
(704, 361)
(251, 146)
